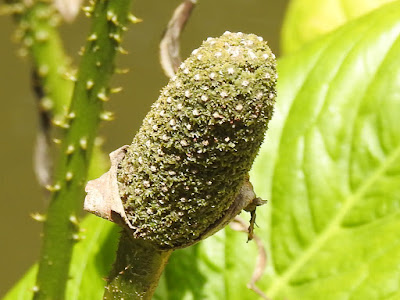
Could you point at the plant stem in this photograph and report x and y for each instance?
(97, 66)
(39, 37)
(137, 269)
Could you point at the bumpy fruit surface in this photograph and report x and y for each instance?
(198, 142)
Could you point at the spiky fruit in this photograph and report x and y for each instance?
(197, 144)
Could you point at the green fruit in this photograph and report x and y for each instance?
(197, 144)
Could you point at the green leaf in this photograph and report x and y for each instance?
(307, 19)
(217, 268)
(23, 289)
(335, 197)
(90, 264)
(92, 259)
(330, 168)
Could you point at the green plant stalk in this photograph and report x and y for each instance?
(38, 34)
(97, 65)
(136, 271)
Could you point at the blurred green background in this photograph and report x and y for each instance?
(20, 193)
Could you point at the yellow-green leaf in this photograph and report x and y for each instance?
(306, 20)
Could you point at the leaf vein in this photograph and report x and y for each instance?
(335, 224)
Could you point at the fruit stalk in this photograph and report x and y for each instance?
(136, 271)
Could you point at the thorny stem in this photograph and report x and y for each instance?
(52, 75)
(40, 39)
(136, 271)
(97, 66)
(37, 27)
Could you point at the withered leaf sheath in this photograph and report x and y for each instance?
(198, 142)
